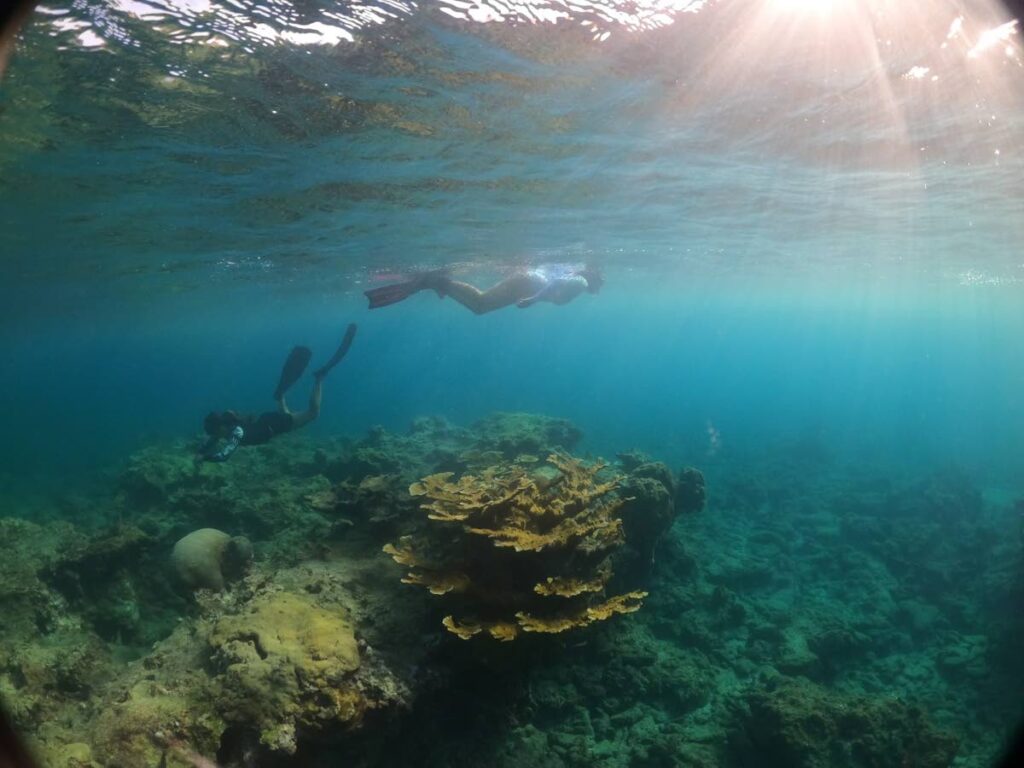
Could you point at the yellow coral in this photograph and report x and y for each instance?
(403, 555)
(503, 631)
(627, 603)
(463, 631)
(549, 626)
(568, 587)
(439, 583)
(520, 511)
(557, 514)
(471, 494)
(605, 532)
(290, 626)
(499, 630)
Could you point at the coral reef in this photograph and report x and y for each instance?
(652, 500)
(286, 664)
(691, 495)
(518, 434)
(258, 670)
(521, 547)
(820, 613)
(209, 559)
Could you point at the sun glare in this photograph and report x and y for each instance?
(815, 7)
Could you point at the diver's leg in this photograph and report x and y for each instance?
(308, 415)
(504, 294)
(282, 406)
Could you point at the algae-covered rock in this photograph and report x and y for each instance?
(154, 722)
(516, 434)
(794, 656)
(286, 664)
(74, 755)
(964, 657)
(798, 724)
(209, 559)
(104, 578)
(154, 474)
(266, 666)
(49, 657)
(429, 445)
(29, 551)
(155, 710)
(647, 513)
(691, 494)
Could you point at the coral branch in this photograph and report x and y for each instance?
(553, 527)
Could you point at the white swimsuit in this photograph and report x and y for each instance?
(556, 283)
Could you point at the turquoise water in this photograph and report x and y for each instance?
(809, 220)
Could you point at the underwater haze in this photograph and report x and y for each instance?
(758, 501)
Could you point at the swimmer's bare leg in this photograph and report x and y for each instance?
(504, 294)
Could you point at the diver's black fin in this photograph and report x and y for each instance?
(387, 295)
(435, 280)
(293, 369)
(350, 334)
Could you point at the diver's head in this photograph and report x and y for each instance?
(220, 423)
(593, 277)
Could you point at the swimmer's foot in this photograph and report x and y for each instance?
(346, 343)
(387, 295)
(435, 280)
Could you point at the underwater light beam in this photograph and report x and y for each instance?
(819, 7)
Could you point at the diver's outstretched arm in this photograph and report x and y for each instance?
(206, 453)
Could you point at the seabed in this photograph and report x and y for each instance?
(805, 613)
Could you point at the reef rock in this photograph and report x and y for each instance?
(647, 513)
(285, 664)
(515, 434)
(798, 724)
(691, 495)
(208, 558)
(263, 668)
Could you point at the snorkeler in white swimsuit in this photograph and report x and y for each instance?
(552, 283)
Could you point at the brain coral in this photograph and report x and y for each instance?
(207, 558)
(286, 663)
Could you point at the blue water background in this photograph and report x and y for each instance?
(800, 238)
(877, 374)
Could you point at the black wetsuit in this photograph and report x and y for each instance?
(265, 426)
(255, 431)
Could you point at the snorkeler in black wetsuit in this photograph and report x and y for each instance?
(239, 430)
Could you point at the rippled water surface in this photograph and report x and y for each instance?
(158, 147)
